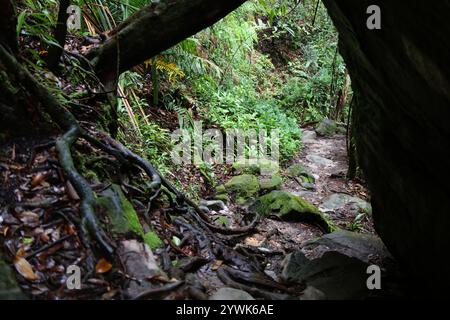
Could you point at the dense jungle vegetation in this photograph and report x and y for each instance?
(270, 64)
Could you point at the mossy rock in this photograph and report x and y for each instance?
(326, 128)
(223, 196)
(297, 170)
(243, 187)
(270, 183)
(261, 166)
(288, 206)
(220, 189)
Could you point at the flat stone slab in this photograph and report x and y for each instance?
(319, 160)
(365, 247)
(338, 201)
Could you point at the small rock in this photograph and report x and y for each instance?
(308, 135)
(215, 205)
(318, 160)
(230, 294)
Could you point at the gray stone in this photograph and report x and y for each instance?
(308, 136)
(338, 201)
(365, 247)
(230, 294)
(291, 264)
(319, 160)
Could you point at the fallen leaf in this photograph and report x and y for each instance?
(103, 266)
(29, 218)
(216, 265)
(38, 179)
(25, 269)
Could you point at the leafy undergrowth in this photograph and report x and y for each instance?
(227, 76)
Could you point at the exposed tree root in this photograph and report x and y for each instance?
(89, 225)
(227, 280)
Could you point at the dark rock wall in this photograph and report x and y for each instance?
(402, 75)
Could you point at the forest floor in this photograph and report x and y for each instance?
(340, 198)
(40, 218)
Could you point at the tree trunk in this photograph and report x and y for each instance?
(8, 26)
(153, 29)
(54, 51)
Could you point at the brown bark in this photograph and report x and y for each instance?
(153, 29)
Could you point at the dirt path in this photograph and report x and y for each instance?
(325, 159)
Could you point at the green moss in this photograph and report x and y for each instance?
(120, 211)
(326, 128)
(221, 189)
(291, 207)
(274, 182)
(297, 170)
(223, 197)
(152, 240)
(244, 186)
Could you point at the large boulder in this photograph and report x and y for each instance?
(334, 275)
(288, 206)
(401, 109)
